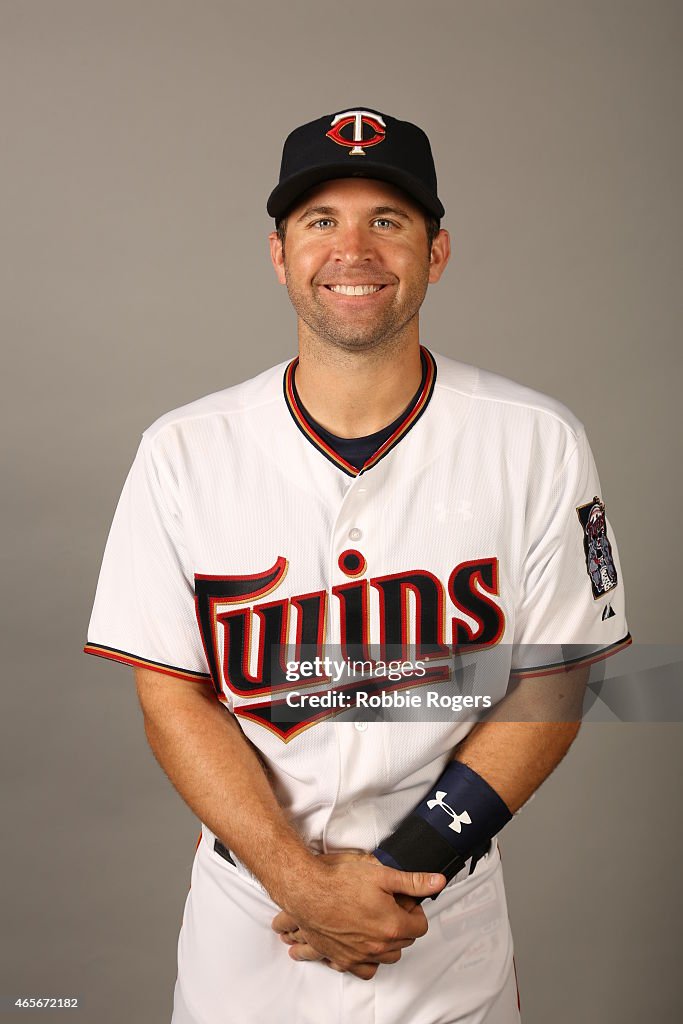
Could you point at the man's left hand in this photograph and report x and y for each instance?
(290, 934)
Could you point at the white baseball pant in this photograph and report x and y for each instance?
(233, 969)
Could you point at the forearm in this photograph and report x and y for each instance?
(526, 736)
(348, 905)
(491, 774)
(215, 769)
(516, 757)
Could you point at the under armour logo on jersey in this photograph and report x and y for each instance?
(357, 118)
(458, 819)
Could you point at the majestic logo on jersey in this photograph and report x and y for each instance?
(248, 641)
(599, 561)
(358, 141)
(458, 819)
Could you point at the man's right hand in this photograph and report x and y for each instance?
(348, 910)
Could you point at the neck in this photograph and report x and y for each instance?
(353, 394)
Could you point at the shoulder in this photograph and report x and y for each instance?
(496, 397)
(219, 409)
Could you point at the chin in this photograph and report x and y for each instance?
(356, 344)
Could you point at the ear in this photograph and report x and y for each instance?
(440, 255)
(277, 256)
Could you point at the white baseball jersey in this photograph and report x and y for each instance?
(241, 535)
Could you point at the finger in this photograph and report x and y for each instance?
(405, 902)
(412, 883)
(334, 966)
(396, 946)
(284, 922)
(409, 925)
(372, 955)
(302, 951)
(291, 938)
(388, 956)
(391, 957)
(363, 971)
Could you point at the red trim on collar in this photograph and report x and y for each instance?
(402, 429)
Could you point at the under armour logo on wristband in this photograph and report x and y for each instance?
(458, 819)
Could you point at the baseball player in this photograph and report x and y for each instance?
(364, 500)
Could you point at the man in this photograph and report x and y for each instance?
(367, 498)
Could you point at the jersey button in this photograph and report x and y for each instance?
(355, 534)
(361, 726)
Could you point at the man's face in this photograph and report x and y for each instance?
(356, 262)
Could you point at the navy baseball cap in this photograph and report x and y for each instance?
(356, 143)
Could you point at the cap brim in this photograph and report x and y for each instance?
(288, 192)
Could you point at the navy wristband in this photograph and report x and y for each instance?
(454, 822)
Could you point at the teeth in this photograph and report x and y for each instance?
(358, 289)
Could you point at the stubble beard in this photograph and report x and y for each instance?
(341, 333)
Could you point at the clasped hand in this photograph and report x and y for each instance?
(355, 914)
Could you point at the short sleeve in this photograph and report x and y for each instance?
(144, 612)
(571, 606)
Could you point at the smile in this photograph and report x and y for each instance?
(354, 289)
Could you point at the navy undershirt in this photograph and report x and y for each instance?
(357, 450)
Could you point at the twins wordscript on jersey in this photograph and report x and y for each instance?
(248, 641)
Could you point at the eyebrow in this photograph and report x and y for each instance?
(328, 211)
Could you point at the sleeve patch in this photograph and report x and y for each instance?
(599, 561)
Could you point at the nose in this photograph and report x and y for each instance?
(354, 244)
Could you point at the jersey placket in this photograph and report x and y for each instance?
(356, 741)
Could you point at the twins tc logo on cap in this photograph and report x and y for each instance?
(357, 118)
(316, 152)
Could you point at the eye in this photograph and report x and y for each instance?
(321, 223)
(384, 223)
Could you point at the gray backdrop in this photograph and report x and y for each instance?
(139, 143)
